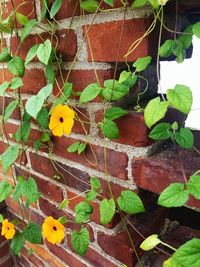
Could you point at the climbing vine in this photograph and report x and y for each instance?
(55, 115)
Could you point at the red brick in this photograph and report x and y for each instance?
(33, 80)
(32, 258)
(69, 176)
(50, 209)
(7, 263)
(4, 251)
(47, 257)
(104, 39)
(23, 261)
(68, 9)
(132, 129)
(82, 78)
(119, 245)
(93, 257)
(47, 188)
(64, 42)
(116, 161)
(160, 170)
(27, 8)
(65, 256)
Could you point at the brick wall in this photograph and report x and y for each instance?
(127, 160)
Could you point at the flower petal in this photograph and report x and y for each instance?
(58, 130)
(68, 113)
(67, 126)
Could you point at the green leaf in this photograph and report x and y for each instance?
(186, 39)
(142, 63)
(89, 5)
(44, 52)
(46, 91)
(62, 219)
(89, 93)
(44, 8)
(107, 210)
(91, 195)
(193, 186)
(23, 131)
(109, 2)
(180, 98)
(81, 148)
(80, 241)
(166, 49)
(55, 8)
(154, 3)
(64, 204)
(49, 72)
(109, 129)
(95, 183)
(31, 54)
(83, 211)
(21, 18)
(173, 196)
(155, 111)
(5, 190)
(161, 131)
(73, 148)
(9, 157)
(17, 243)
(3, 87)
(184, 138)
(179, 51)
(16, 66)
(188, 255)
(138, 3)
(9, 110)
(1, 218)
(124, 76)
(16, 83)
(196, 29)
(27, 189)
(114, 113)
(43, 118)
(45, 137)
(5, 55)
(27, 29)
(34, 105)
(32, 233)
(114, 90)
(130, 202)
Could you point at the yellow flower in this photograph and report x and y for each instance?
(8, 229)
(150, 242)
(62, 120)
(53, 230)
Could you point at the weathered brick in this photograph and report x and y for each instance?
(65, 256)
(64, 42)
(47, 188)
(116, 161)
(119, 245)
(7, 263)
(132, 129)
(160, 170)
(32, 258)
(33, 80)
(44, 254)
(69, 176)
(4, 251)
(27, 8)
(82, 78)
(104, 39)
